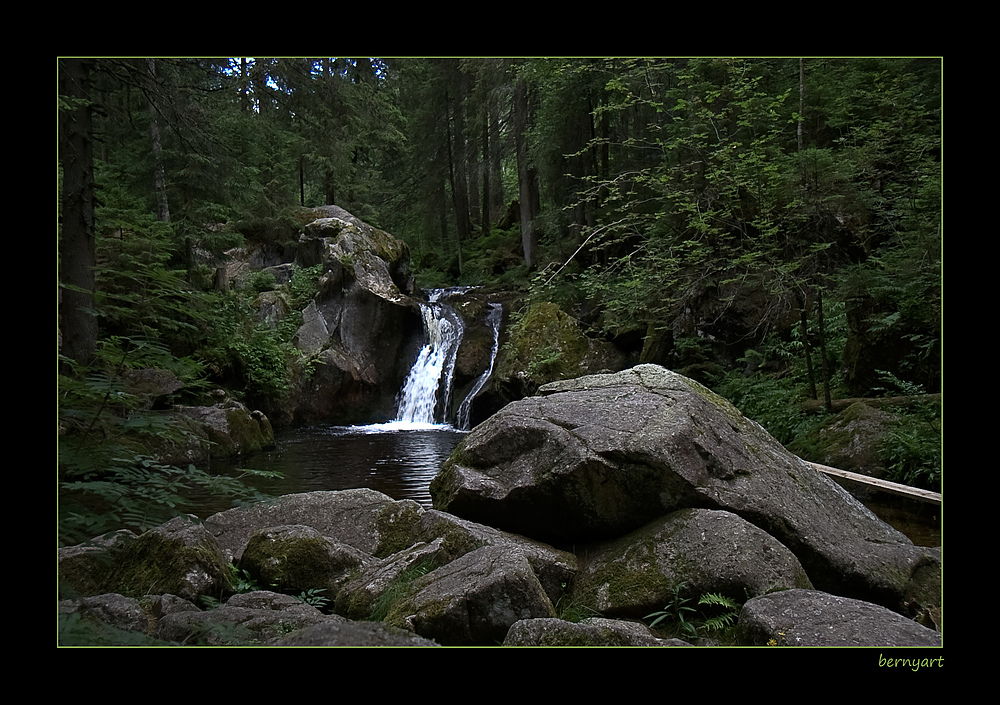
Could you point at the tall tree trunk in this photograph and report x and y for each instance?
(473, 170)
(328, 189)
(806, 347)
(456, 175)
(159, 173)
(497, 203)
(828, 402)
(802, 93)
(302, 180)
(486, 218)
(527, 179)
(77, 245)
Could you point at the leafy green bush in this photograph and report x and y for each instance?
(773, 403)
(911, 450)
(249, 356)
(303, 285)
(718, 614)
(259, 282)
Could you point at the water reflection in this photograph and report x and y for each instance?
(400, 459)
(397, 459)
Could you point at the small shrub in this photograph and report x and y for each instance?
(259, 282)
(718, 614)
(676, 612)
(313, 597)
(911, 453)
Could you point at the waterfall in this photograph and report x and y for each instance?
(426, 394)
(493, 320)
(428, 386)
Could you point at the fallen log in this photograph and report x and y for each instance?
(814, 406)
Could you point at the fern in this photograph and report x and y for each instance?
(724, 621)
(691, 623)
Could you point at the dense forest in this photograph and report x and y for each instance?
(769, 226)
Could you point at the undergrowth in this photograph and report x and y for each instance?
(715, 617)
(397, 591)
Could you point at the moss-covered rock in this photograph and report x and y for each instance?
(84, 569)
(179, 558)
(600, 456)
(546, 344)
(849, 440)
(590, 632)
(295, 559)
(705, 551)
(473, 600)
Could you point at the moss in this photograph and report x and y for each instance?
(637, 577)
(157, 564)
(724, 405)
(546, 344)
(848, 440)
(395, 526)
(247, 434)
(290, 563)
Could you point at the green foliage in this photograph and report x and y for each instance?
(139, 293)
(135, 492)
(259, 282)
(106, 430)
(717, 616)
(313, 597)
(75, 630)
(303, 285)
(912, 454)
(491, 260)
(570, 610)
(677, 612)
(397, 590)
(242, 581)
(247, 354)
(773, 403)
(726, 612)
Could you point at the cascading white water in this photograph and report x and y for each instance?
(430, 378)
(493, 319)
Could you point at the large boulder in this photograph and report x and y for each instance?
(347, 633)
(180, 557)
(359, 324)
(224, 430)
(593, 631)
(473, 600)
(296, 559)
(810, 618)
(554, 569)
(688, 553)
(599, 456)
(365, 519)
(369, 592)
(547, 344)
(254, 618)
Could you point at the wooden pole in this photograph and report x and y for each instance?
(885, 485)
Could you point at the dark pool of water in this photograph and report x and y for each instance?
(400, 461)
(920, 521)
(397, 460)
